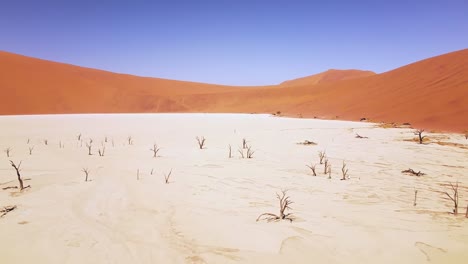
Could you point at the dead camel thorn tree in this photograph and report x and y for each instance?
(312, 168)
(89, 146)
(46, 142)
(244, 143)
(344, 172)
(419, 134)
(359, 136)
(167, 176)
(102, 151)
(201, 142)
(30, 150)
(86, 172)
(230, 151)
(415, 197)
(284, 204)
(155, 150)
(250, 152)
(454, 197)
(18, 169)
(7, 151)
(329, 171)
(325, 166)
(130, 140)
(321, 155)
(78, 137)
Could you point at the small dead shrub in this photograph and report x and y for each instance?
(201, 142)
(86, 172)
(284, 204)
(321, 155)
(155, 150)
(312, 168)
(412, 172)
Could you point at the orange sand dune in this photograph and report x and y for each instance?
(432, 93)
(329, 76)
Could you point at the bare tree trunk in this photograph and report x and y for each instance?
(17, 168)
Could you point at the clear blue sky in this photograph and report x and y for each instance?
(238, 42)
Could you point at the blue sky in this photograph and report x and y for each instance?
(236, 42)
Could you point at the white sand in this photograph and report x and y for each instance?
(207, 213)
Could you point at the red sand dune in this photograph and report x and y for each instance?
(431, 94)
(329, 76)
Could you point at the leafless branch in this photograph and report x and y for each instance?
(6, 210)
(167, 176)
(7, 151)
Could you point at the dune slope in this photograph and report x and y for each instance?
(431, 93)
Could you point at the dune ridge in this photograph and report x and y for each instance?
(430, 94)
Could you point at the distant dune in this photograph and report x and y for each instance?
(431, 94)
(329, 76)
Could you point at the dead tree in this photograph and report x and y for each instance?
(284, 204)
(250, 152)
(130, 140)
(89, 146)
(138, 174)
(86, 172)
(7, 209)
(325, 166)
(322, 155)
(230, 151)
(155, 150)
(30, 150)
(415, 197)
(7, 151)
(244, 143)
(46, 142)
(167, 176)
(18, 169)
(359, 136)
(28, 141)
(79, 137)
(344, 172)
(151, 173)
(329, 171)
(454, 197)
(312, 168)
(419, 134)
(102, 151)
(201, 142)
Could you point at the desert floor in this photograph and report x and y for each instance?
(207, 213)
